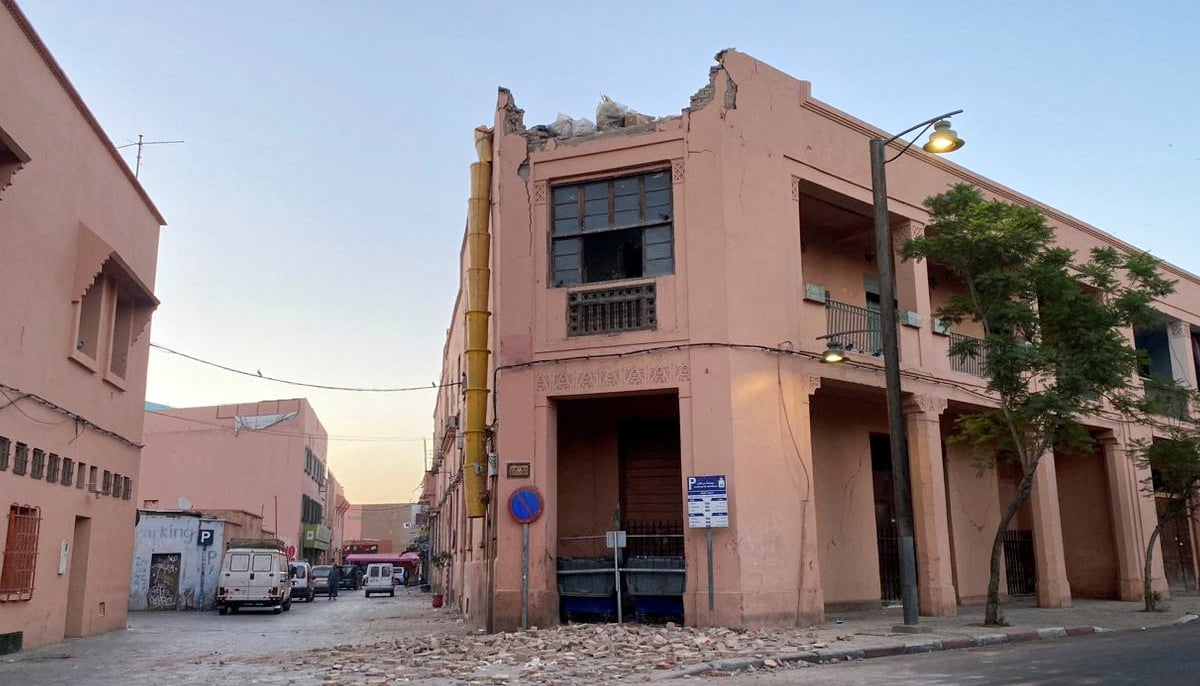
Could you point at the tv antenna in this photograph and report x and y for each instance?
(138, 165)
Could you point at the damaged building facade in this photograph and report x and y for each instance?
(659, 296)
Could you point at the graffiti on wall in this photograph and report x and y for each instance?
(163, 592)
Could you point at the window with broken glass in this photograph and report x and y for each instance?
(613, 229)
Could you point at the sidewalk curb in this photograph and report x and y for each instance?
(927, 645)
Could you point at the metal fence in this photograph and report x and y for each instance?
(611, 310)
(854, 328)
(654, 538)
(1019, 565)
(889, 562)
(974, 363)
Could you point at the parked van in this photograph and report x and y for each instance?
(254, 573)
(302, 581)
(379, 579)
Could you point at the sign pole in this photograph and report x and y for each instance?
(617, 575)
(525, 575)
(711, 598)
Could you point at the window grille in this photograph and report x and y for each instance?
(20, 553)
(4, 446)
(68, 471)
(612, 310)
(52, 469)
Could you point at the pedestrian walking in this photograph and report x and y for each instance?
(335, 580)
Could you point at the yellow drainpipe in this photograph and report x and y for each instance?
(478, 278)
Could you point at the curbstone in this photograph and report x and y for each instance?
(958, 643)
(1021, 636)
(990, 639)
(827, 655)
(735, 664)
(930, 646)
(1187, 619)
(1081, 630)
(1052, 632)
(884, 651)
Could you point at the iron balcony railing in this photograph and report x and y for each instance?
(853, 328)
(1166, 400)
(612, 310)
(974, 362)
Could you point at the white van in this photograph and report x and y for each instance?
(379, 579)
(254, 574)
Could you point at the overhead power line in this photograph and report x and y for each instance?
(260, 375)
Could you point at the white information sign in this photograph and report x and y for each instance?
(708, 501)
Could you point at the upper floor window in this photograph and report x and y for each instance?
(614, 229)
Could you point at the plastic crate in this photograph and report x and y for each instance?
(598, 582)
(669, 582)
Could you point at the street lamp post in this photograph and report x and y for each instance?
(943, 139)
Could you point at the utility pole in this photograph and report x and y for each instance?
(137, 168)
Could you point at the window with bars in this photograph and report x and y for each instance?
(79, 480)
(117, 486)
(21, 460)
(5, 444)
(620, 228)
(20, 553)
(52, 468)
(39, 464)
(127, 491)
(107, 487)
(611, 310)
(68, 471)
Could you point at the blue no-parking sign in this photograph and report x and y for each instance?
(525, 505)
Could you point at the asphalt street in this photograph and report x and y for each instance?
(1159, 656)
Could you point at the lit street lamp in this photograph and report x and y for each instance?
(943, 139)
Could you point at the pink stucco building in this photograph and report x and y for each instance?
(266, 457)
(659, 294)
(78, 251)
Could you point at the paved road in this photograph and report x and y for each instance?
(191, 648)
(1160, 656)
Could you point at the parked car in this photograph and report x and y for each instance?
(302, 580)
(320, 576)
(379, 579)
(254, 574)
(352, 577)
(399, 574)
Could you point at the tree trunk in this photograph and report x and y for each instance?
(1147, 591)
(992, 615)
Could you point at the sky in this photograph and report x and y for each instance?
(316, 210)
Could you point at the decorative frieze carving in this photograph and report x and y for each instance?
(678, 173)
(925, 404)
(613, 378)
(539, 193)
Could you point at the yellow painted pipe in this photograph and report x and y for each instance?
(478, 278)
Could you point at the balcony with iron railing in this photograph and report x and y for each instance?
(1166, 399)
(852, 328)
(967, 354)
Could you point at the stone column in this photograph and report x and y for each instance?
(1053, 589)
(811, 605)
(1183, 366)
(1123, 502)
(917, 347)
(931, 524)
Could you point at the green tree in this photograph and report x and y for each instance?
(1053, 343)
(1174, 464)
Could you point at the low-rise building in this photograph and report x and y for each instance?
(266, 457)
(78, 253)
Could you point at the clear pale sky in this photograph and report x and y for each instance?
(317, 208)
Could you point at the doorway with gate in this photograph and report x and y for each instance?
(619, 470)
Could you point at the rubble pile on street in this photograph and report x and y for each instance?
(565, 655)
